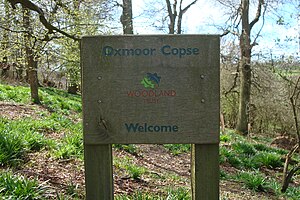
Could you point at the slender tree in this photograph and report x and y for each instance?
(32, 63)
(245, 52)
(242, 27)
(126, 17)
(175, 14)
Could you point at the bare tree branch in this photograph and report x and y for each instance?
(188, 6)
(31, 6)
(172, 15)
(263, 23)
(258, 14)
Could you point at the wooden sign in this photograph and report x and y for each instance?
(151, 89)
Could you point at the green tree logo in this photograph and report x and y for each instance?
(151, 80)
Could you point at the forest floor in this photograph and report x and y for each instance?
(163, 168)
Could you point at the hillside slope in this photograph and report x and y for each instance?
(42, 145)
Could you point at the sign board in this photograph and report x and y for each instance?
(151, 89)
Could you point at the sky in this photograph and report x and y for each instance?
(201, 18)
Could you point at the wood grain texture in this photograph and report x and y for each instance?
(205, 172)
(108, 82)
(98, 172)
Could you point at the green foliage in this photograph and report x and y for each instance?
(178, 194)
(265, 148)
(21, 136)
(18, 137)
(172, 194)
(227, 155)
(135, 171)
(138, 196)
(177, 149)
(71, 145)
(130, 148)
(72, 191)
(223, 174)
(244, 148)
(59, 101)
(19, 187)
(252, 180)
(12, 149)
(242, 154)
(293, 193)
(53, 99)
(224, 138)
(267, 159)
(17, 94)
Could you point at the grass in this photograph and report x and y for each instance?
(12, 149)
(249, 158)
(134, 171)
(27, 135)
(243, 154)
(54, 100)
(253, 180)
(177, 149)
(18, 187)
(171, 194)
(130, 148)
(19, 137)
(71, 145)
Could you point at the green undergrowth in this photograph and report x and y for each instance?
(177, 149)
(243, 153)
(18, 137)
(13, 186)
(131, 170)
(25, 135)
(258, 166)
(171, 194)
(53, 99)
(58, 130)
(130, 148)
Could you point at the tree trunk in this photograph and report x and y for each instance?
(245, 76)
(33, 80)
(126, 17)
(5, 36)
(31, 62)
(172, 13)
(181, 12)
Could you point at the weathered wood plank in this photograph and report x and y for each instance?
(98, 172)
(205, 172)
(142, 89)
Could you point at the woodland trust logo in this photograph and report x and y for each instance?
(151, 91)
(151, 80)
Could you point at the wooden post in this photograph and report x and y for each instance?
(205, 171)
(98, 172)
